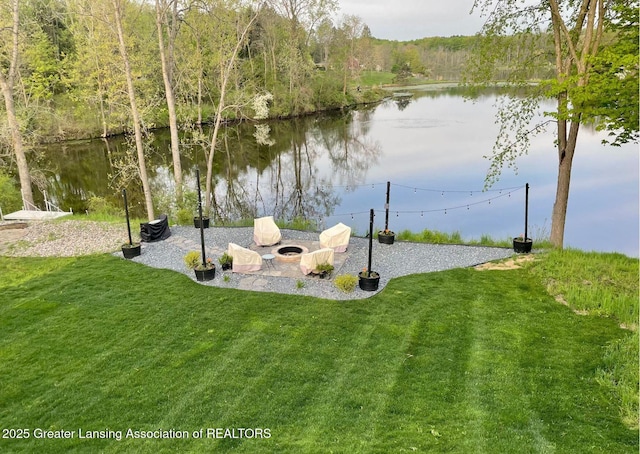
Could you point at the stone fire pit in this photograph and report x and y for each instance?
(289, 252)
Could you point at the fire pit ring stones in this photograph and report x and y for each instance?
(289, 252)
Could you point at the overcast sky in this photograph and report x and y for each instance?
(405, 20)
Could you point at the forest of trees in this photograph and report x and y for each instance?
(94, 68)
(71, 81)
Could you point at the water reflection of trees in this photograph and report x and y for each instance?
(295, 172)
(350, 150)
(402, 102)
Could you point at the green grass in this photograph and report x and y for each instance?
(455, 361)
(606, 285)
(373, 78)
(437, 237)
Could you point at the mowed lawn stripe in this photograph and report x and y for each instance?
(457, 361)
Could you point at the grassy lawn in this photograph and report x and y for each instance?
(455, 361)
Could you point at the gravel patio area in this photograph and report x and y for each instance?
(72, 238)
(399, 259)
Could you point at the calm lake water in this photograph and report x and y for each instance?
(334, 168)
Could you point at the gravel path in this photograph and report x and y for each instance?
(399, 259)
(60, 238)
(72, 238)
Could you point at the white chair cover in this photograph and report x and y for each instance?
(265, 231)
(337, 237)
(244, 259)
(309, 261)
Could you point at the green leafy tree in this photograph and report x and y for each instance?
(10, 199)
(167, 22)
(118, 9)
(612, 99)
(10, 46)
(576, 30)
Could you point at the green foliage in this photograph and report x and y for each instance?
(101, 207)
(612, 98)
(10, 197)
(346, 282)
(431, 236)
(325, 268)
(184, 216)
(297, 223)
(192, 259)
(225, 259)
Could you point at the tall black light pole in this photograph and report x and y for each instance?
(371, 215)
(126, 211)
(526, 210)
(204, 260)
(386, 207)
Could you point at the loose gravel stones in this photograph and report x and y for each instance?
(73, 238)
(66, 239)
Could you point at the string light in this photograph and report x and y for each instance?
(445, 210)
(442, 191)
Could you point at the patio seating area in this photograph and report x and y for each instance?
(287, 276)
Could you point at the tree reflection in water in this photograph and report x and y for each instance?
(287, 175)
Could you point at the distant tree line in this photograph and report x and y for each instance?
(70, 81)
(94, 68)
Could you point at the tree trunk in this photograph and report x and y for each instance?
(166, 58)
(7, 84)
(134, 113)
(18, 148)
(225, 72)
(566, 150)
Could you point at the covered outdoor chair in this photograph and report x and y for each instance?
(244, 259)
(336, 237)
(310, 261)
(265, 231)
(155, 230)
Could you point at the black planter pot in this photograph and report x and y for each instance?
(522, 246)
(131, 250)
(226, 266)
(205, 222)
(369, 283)
(386, 238)
(205, 275)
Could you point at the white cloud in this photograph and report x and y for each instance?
(414, 19)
